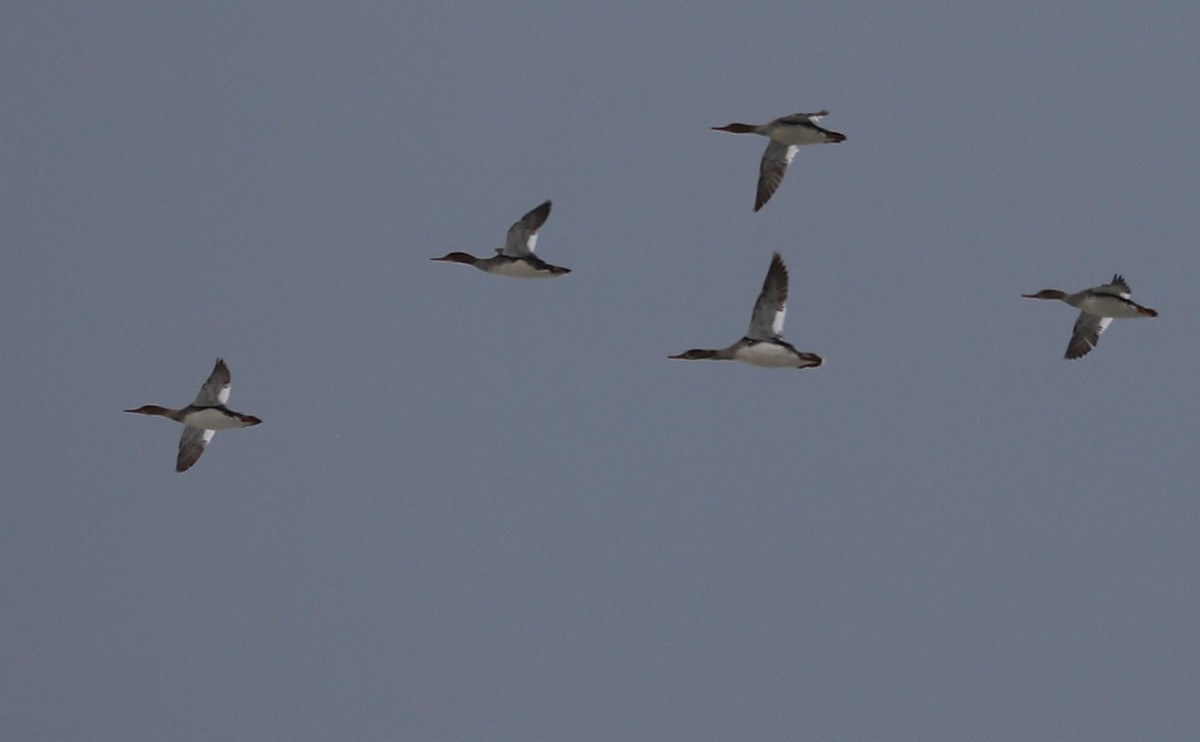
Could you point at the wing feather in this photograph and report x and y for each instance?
(1118, 286)
(774, 165)
(191, 446)
(522, 235)
(766, 322)
(215, 390)
(1086, 334)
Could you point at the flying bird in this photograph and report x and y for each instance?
(786, 133)
(206, 415)
(516, 259)
(763, 344)
(1097, 308)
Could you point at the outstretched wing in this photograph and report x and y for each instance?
(191, 445)
(522, 236)
(766, 323)
(1086, 334)
(771, 170)
(1118, 286)
(215, 390)
(803, 118)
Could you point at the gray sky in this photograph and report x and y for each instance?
(482, 508)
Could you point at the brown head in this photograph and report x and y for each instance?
(152, 409)
(695, 354)
(737, 128)
(1046, 294)
(457, 257)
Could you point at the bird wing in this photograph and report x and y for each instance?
(802, 118)
(522, 236)
(774, 164)
(191, 445)
(215, 390)
(766, 322)
(1086, 334)
(1118, 286)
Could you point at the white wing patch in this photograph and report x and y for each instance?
(215, 389)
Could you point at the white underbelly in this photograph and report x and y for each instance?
(768, 355)
(797, 135)
(1108, 307)
(520, 269)
(212, 420)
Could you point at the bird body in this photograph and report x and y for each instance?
(763, 344)
(1098, 307)
(516, 259)
(202, 417)
(786, 134)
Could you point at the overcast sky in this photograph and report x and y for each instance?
(484, 508)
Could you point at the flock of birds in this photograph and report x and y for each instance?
(763, 344)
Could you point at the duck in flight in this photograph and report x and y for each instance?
(763, 344)
(1097, 308)
(516, 259)
(786, 133)
(206, 415)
